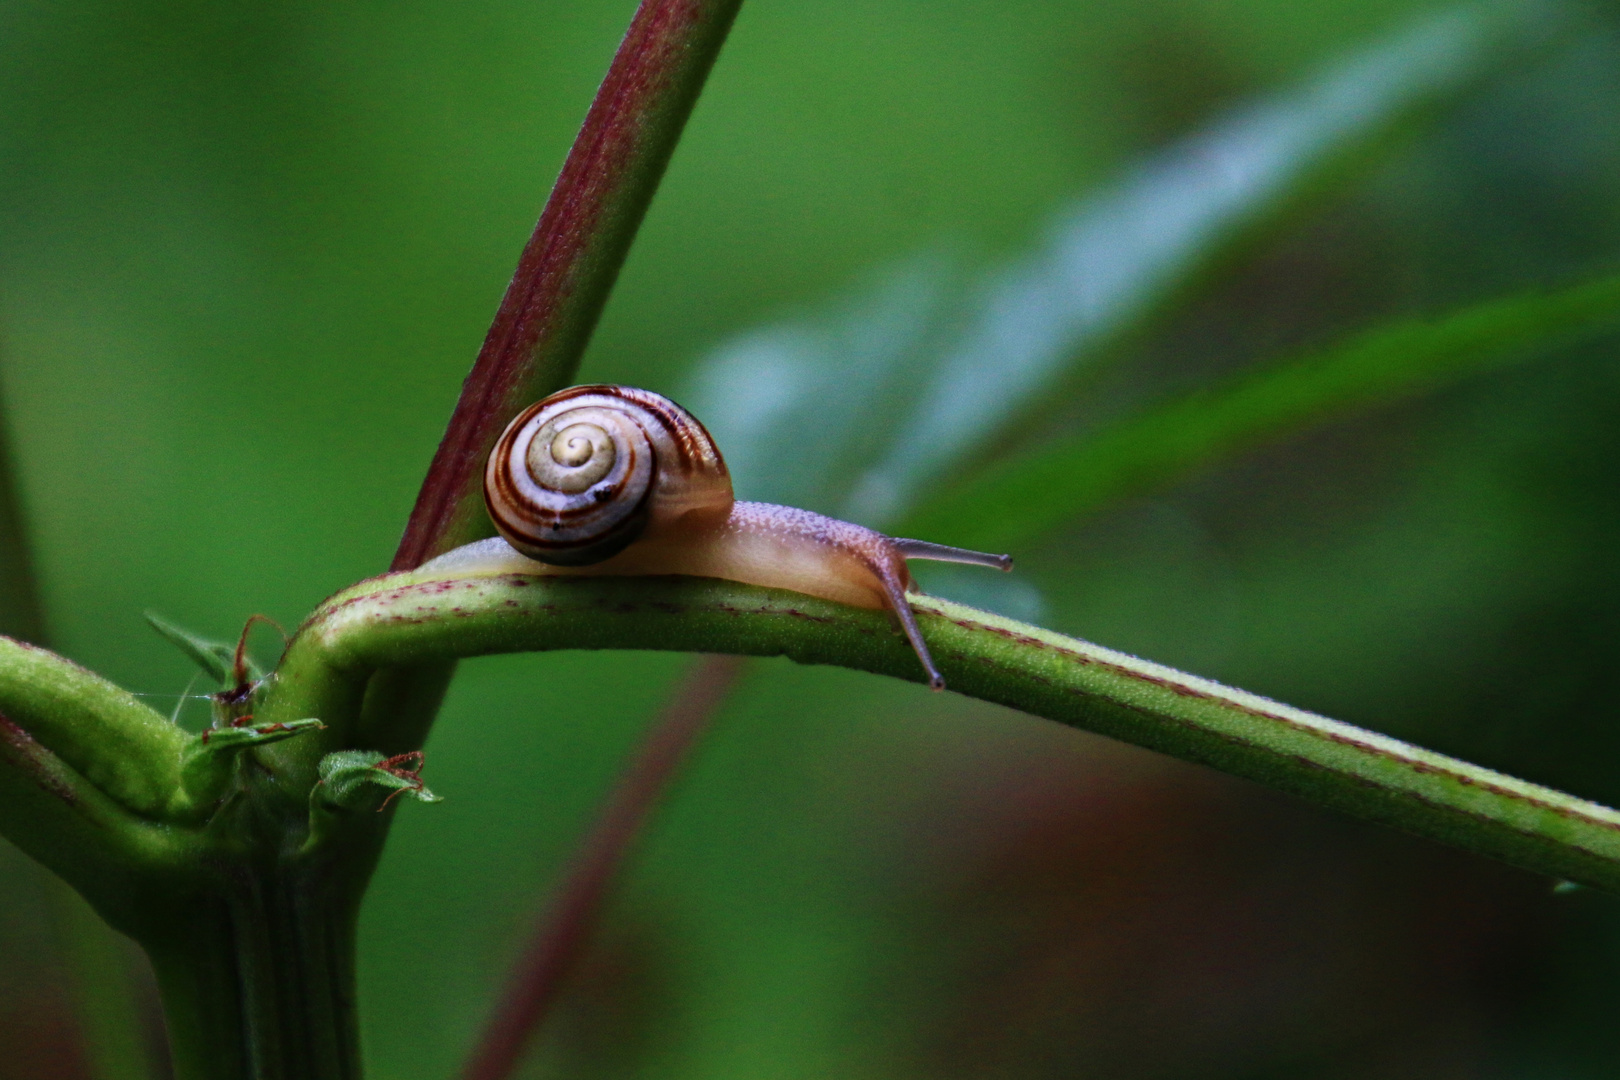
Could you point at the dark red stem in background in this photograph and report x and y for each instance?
(21, 614)
(568, 268)
(565, 929)
(56, 1034)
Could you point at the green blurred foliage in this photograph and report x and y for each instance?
(248, 251)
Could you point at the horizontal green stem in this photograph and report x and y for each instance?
(406, 619)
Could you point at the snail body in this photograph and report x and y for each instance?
(612, 480)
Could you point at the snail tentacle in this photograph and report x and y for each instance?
(901, 606)
(924, 549)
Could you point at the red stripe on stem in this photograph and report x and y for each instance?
(21, 750)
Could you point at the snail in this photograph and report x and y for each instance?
(614, 480)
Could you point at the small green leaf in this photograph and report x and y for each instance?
(1014, 501)
(214, 657)
(366, 780)
(227, 739)
(209, 759)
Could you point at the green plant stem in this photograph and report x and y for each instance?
(57, 816)
(412, 618)
(254, 959)
(249, 925)
(97, 728)
(259, 983)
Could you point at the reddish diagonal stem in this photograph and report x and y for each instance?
(565, 930)
(568, 268)
(21, 614)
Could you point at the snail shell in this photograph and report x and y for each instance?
(600, 480)
(579, 476)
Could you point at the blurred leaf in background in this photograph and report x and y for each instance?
(248, 253)
(803, 406)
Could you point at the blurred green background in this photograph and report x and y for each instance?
(248, 251)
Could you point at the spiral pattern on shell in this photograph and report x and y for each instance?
(581, 474)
